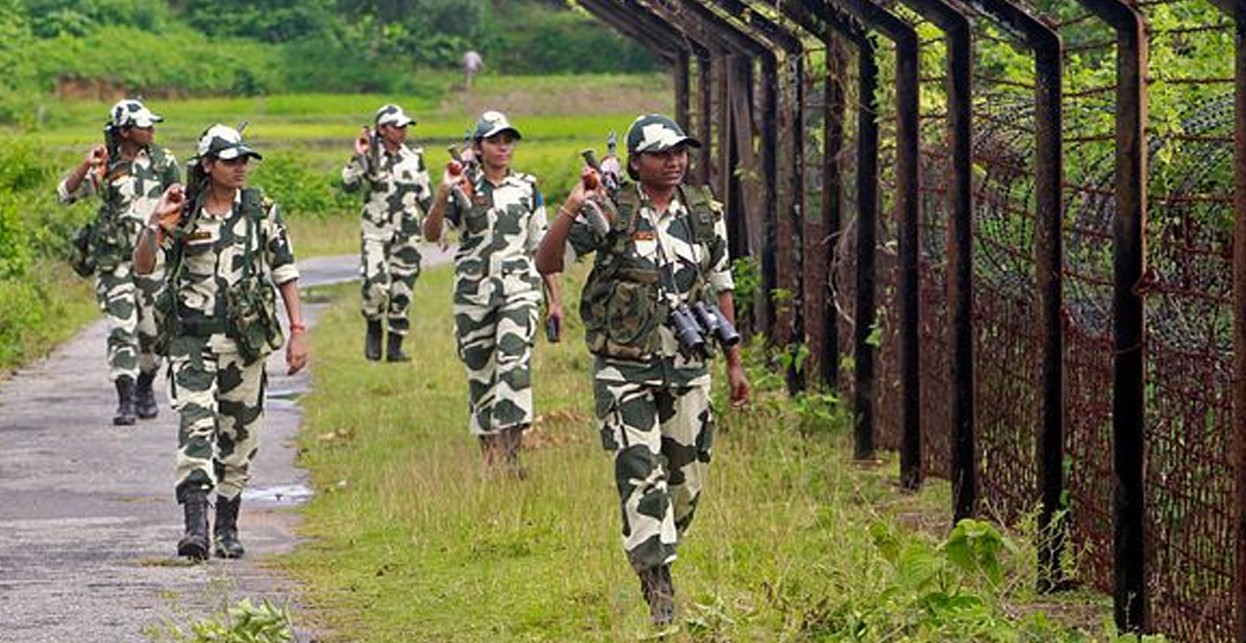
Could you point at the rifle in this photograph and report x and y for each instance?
(458, 167)
(604, 174)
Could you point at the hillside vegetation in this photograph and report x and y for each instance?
(105, 48)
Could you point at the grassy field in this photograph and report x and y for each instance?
(307, 138)
(410, 539)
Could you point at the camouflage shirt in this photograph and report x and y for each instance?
(497, 239)
(215, 249)
(664, 241)
(398, 192)
(130, 191)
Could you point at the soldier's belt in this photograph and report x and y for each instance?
(201, 327)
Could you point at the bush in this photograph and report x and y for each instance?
(538, 40)
(299, 191)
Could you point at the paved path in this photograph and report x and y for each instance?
(88, 521)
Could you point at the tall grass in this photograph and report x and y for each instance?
(412, 539)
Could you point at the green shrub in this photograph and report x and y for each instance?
(538, 40)
(298, 190)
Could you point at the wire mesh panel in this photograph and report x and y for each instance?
(1189, 288)
(1089, 164)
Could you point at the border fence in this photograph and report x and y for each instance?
(1013, 234)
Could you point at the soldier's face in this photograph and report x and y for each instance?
(231, 173)
(140, 136)
(661, 169)
(496, 151)
(393, 134)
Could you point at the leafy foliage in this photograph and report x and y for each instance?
(243, 622)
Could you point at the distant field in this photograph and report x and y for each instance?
(307, 138)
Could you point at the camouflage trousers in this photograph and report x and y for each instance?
(388, 269)
(219, 400)
(661, 437)
(495, 344)
(127, 301)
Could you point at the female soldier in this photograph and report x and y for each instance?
(129, 173)
(496, 288)
(227, 247)
(657, 301)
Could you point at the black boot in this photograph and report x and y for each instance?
(393, 349)
(226, 528)
(372, 343)
(144, 397)
(659, 593)
(125, 401)
(194, 543)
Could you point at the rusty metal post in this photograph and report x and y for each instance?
(1132, 601)
(705, 85)
(832, 196)
(789, 228)
(1237, 10)
(1046, 46)
(955, 27)
(905, 39)
(1239, 317)
(682, 88)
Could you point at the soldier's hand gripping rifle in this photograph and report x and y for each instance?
(464, 173)
(598, 208)
(368, 147)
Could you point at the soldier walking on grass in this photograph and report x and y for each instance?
(398, 195)
(227, 249)
(497, 290)
(655, 304)
(129, 173)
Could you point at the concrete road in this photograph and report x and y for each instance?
(88, 520)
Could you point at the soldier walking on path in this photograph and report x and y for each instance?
(227, 249)
(398, 195)
(500, 218)
(655, 305)
(129, 173)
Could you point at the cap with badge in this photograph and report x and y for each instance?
(132, 113)
(391, 114)
(656, 133)
(492, 123)
(225, 143)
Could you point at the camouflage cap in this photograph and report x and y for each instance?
(132, 113)
(391, 114)
(656, 133)
(492, 123)
(225, 143)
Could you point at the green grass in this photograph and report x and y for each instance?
(411, 540)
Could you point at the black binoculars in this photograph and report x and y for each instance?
(692, 325)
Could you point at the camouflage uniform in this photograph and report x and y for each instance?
(218, 394)
(652, 402)
(497, 292)
(129, 190)
(398, 195)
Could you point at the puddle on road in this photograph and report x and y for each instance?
(285, 494)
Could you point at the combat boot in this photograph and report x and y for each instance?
(125, 401)
(393, 348)
(511, 441)
(194, 543)
(226, 528)
(144, 397)
(659, 592)
(372, 342)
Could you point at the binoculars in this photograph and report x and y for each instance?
(692, 325)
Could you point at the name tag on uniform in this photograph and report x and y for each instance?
(199, 237)
(644, 235)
